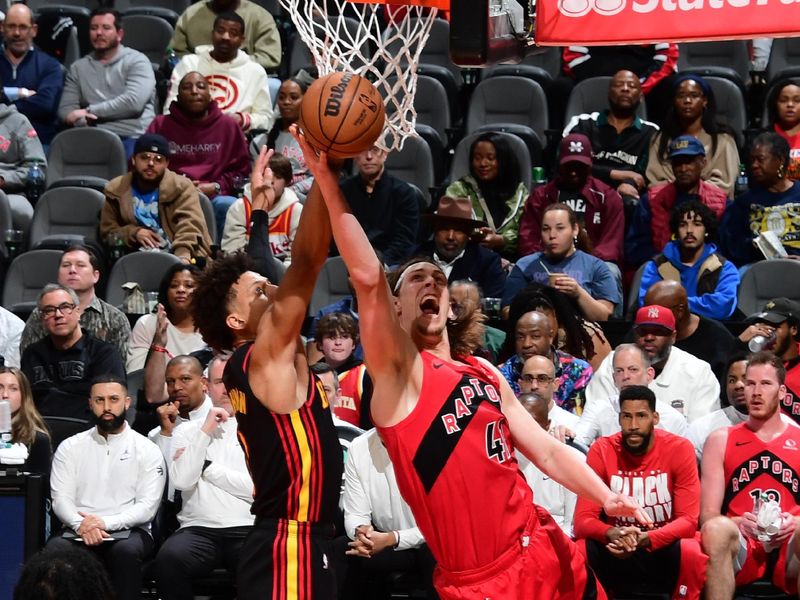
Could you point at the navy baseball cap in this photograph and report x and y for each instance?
(686, 145)
(152, 142)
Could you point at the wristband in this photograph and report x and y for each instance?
(397, 537)
(157, 348)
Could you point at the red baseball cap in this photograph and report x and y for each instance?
(575, 147)
(655, 316)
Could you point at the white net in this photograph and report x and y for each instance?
(355, 37)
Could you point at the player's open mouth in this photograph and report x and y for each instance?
(429, 306)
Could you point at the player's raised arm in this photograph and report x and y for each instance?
(389, 351)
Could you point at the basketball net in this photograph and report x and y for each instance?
(351, 36)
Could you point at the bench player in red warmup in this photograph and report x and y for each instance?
(450, 424)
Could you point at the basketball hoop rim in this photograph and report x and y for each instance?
(440, 4)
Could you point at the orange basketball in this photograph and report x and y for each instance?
(342, 114)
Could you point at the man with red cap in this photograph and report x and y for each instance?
(683, 381)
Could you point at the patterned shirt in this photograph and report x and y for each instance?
(573, 375)
(99, 319)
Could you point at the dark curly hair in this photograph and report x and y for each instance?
(212, 296)
(774, 94)
(69, 573)
(166, 281)
(698, 209)
(578, 341)
(337, 323)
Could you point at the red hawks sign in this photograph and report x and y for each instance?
(594, 22)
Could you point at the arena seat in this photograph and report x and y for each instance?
(85, 157)
(727, 59)
(149, 34)
(208, 213)
(66, 211)
(542, 67)
(5, 218)
(731, 106)
(591, 95)
(768, 279)
(784, 59)
(331, 285)
(26, 276)
(145, 268)
(460, 165)
(413, 164)
(508, 99)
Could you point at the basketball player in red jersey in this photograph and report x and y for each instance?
(448, 423)
(758, 457)
(284, 418)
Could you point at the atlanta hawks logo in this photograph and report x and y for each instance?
(224, 90)
(579, 8)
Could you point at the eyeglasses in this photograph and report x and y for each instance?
(541, 379)
(48, 312)
(148, 156)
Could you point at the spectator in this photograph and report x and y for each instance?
(565, 265)
(236, 82)
(337, 338)
(600, 417)
(205, 145)
(347, 305)
(703, 338)
(208, 467)
(769, 204)
(61, 366)
(694, 112)
(69, 573)
(650, 227)
(113, 87)
(466, 297)
(11, 327)
(20, 148)
(33, 80)
(283, 215)
(106, 488)
(290, 96)
(684, 382)
(187, 401)
(194, 27)
(548, 493)
(734, 410)
(455, 250)
(170, 331)
(380, 525)
(619, 139)
(154, 208)
(385, 206)
(538, 377)
(532, 335)
(755, 459)
(574, 335)
(79, 270)
(496, 191)
(27, 426)
(784, 116)
(597, 207)
(659, 469)
(710, 280)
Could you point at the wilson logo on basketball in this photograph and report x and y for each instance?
(334, 102)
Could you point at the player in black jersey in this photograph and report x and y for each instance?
(284, 418)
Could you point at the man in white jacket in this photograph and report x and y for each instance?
(208, 468)
(106, 484)
(236, 81)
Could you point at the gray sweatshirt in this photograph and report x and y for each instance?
(121, 92)
(19, 147)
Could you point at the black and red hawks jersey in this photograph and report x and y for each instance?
(456, 467)
(753, 467)
(791, 401)
(295, 459)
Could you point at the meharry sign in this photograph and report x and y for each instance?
(592, 22)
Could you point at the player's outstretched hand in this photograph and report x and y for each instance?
(262, 194)
(620, 505)
(321, 167)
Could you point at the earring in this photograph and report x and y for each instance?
(781, 172)
(575, 241)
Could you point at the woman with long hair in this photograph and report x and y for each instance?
(565, 264)
(694, 112)
(27, 425)
(784, 119)
(496, 191)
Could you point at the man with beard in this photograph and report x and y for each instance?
(187, 400)
(113, 87)
(620, 139)
(659, 470)
(743, 468)
(106, 484)
(61, 365)
(454, 249)
(684, 382)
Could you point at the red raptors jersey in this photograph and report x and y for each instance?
(455, 466)
(753, 467)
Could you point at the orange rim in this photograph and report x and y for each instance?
(440, 4)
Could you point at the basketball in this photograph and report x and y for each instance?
(342, 114)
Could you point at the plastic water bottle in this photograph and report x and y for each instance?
(742, 183)
(5, 423)
(172, 59)
(34, 182)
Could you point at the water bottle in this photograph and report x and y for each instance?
(172, 59)
(759, 342)
(537, 174)
(34, 182)
(742, 183)
(5, 423)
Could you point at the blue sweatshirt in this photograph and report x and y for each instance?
(718, 304)
(43, 74)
